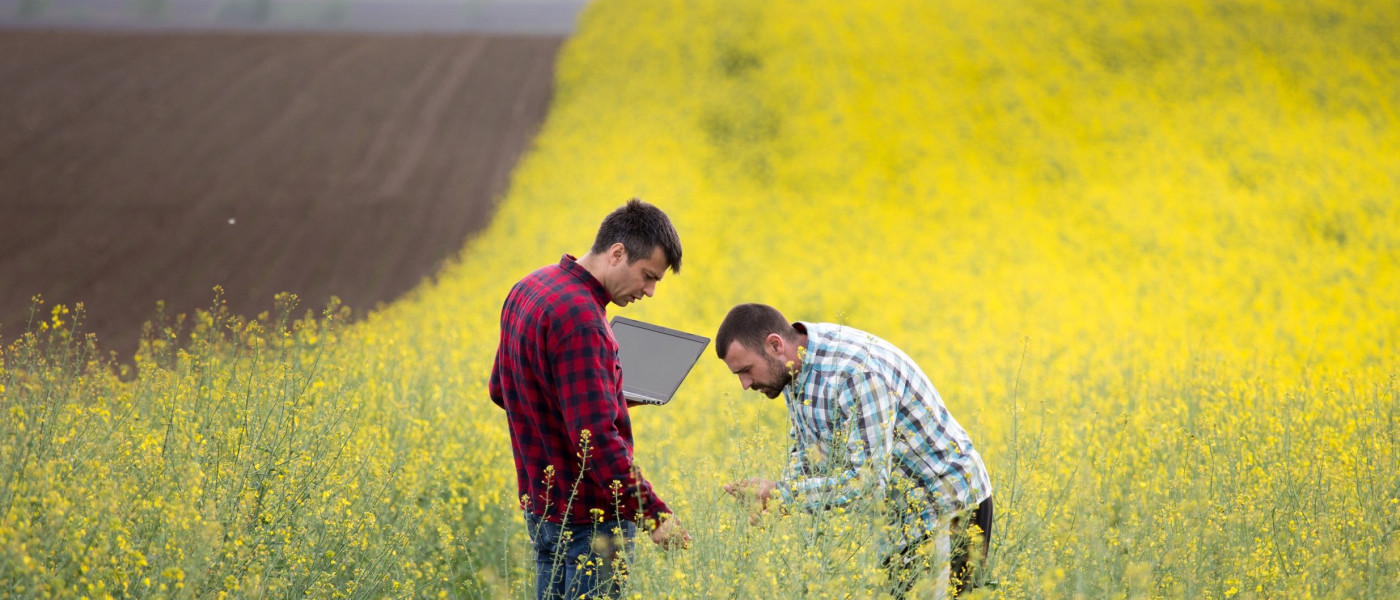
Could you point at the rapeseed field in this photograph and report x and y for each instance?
(1149, 253)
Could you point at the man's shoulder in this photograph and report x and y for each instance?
(840, 352)
(549, 285)
(855, 343)
(558, 298)
(830, 344)
(543, 277)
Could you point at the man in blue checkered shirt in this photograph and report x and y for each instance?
(866, 425)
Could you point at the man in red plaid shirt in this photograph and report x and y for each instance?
(558, 378)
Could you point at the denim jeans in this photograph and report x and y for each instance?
(574, 561)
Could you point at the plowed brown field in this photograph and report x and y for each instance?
(144, 167)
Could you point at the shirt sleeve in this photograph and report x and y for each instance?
(494, 388)
(585, 372)
(797, 461)
(863, 412)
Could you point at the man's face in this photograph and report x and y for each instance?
(759, 371)
(637, 280)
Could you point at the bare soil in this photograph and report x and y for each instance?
(136, 168)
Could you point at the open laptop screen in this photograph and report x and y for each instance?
(654, 359)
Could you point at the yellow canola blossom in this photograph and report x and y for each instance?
(1148, 252)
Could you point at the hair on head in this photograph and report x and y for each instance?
(640, 228)
(751, 324)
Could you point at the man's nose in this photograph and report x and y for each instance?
(649, 289)
(745, 381)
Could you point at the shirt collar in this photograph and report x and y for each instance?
(570, 265)
(804, 370)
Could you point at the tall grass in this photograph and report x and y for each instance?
(240, 458)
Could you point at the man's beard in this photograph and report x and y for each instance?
(784, 378)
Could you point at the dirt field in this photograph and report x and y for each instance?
(145, 167)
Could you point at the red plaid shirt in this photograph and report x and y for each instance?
(557, 375)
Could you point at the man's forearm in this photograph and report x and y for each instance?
(616, 471)
(818, 493)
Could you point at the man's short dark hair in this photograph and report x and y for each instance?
(750, 324)
(641, 228)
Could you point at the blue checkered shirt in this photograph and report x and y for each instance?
(867, 423)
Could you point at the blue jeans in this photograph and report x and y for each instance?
(576, 560)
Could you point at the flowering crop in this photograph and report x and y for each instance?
(1148, 252)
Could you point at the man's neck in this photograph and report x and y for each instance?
(594, 264)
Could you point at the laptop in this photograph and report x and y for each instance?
(654, 359)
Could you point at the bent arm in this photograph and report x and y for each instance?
(864, 410)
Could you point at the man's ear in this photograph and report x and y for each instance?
(776, 342)
(616, 253)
